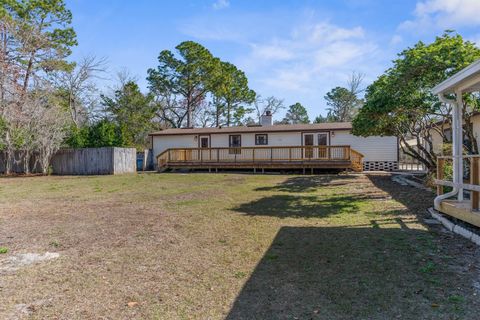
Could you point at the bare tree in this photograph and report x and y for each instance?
(79, 89)
(354, 83)
(50, 130)
(272, 104)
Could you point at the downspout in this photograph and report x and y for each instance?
(438, 200)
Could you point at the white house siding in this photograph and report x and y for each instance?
(275, 139)
(373, 148)
(162, 143)
(381, 153)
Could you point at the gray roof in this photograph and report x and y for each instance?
(254, 129)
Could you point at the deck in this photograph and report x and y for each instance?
(463, 209)
(289, 157)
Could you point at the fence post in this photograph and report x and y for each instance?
(440, 174)
(474, 179)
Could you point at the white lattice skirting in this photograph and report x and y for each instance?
(380, 165)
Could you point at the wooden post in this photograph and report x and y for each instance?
(474, 179)
(290, 154)
(253, 155)
(440, 174)
(218, 155)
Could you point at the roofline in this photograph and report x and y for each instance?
(242, 131)
(450, 83)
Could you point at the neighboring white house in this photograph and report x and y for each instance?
(380, 153)
(437, 139)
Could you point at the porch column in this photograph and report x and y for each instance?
(457, 147)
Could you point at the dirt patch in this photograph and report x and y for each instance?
(20, 260)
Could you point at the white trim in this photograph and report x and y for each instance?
(452, 83)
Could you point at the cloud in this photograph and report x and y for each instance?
(325, 32)
(443, 14)
(311, 55)
(271, 52)
(221, 4)
(294, 55)
(396, 39)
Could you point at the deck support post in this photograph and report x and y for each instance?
(254, 170)
(263, 170)
(440, 174)
(311, 170)
(303, 170)
(474, 179)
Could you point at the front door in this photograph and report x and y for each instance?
(322, 141)
(308, 144)
(204, 145)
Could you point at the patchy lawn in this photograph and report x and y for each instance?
(226, 246)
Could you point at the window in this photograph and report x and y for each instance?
(323, 139)
(261, 139)
(235, 143)
(204, 142)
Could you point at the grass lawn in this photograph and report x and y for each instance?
(227, 246)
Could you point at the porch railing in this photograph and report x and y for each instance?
(470, 179)
(262, 155)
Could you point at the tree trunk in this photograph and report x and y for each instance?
(26, 162)
(228, 114)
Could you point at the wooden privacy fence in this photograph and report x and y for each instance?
(90, 161)
(17, 163)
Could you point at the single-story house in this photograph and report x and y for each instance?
(322, 145)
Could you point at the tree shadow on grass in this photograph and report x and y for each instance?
(309, 183)
(348, 273)
(415, 200)
(306, 206)
(284, 206)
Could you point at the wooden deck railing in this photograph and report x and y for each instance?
(460, 207)
(260, 155)
(471, 177)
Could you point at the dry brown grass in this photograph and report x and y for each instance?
(226, 246)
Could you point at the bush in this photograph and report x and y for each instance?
(103, 133)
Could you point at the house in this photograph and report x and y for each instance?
(264, 146)
(438, 141)
(453, 203)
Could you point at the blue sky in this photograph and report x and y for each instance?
(292, 49)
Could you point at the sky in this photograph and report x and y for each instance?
(296, 50)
